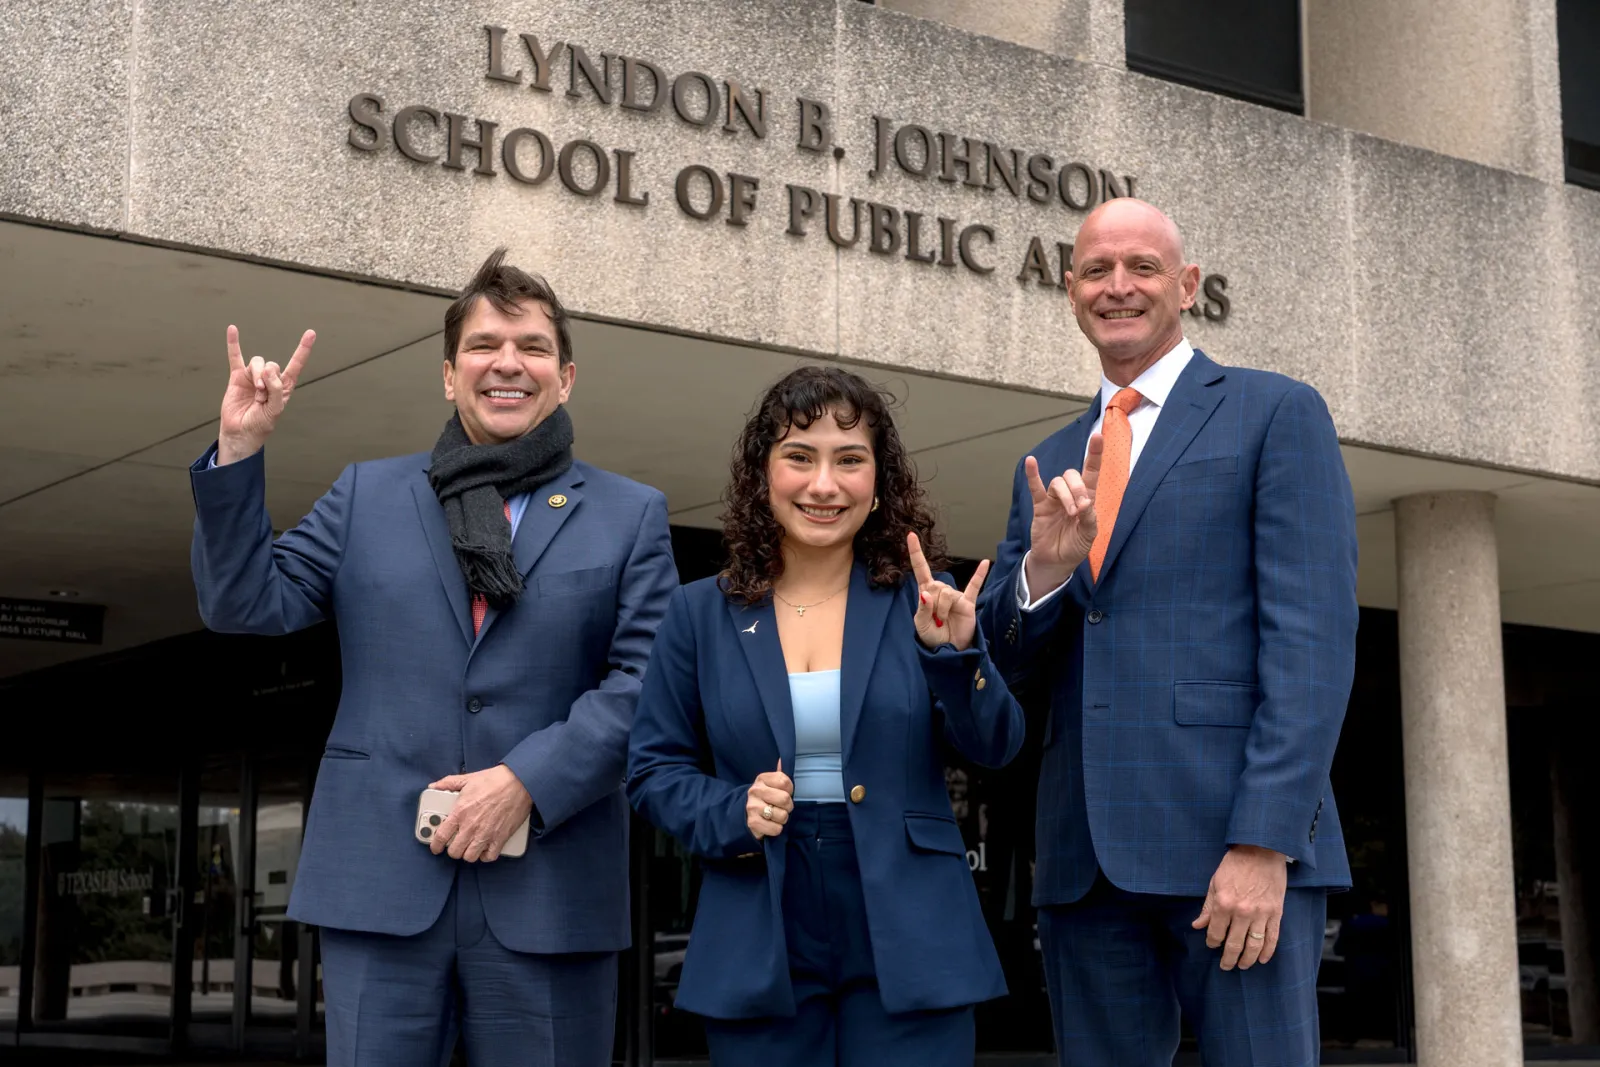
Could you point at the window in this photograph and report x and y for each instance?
(13, 842)
(1248, 49)
(1578, 37)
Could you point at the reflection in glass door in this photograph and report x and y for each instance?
(108, 858)
(13, 852)
(252, 988)
(277, 944)
(214, 906)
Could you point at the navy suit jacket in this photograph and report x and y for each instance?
(1198, 688)
(548, 687)
(715, 713)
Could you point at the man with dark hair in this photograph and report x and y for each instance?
(495, 601)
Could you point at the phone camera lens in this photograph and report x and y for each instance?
(433, 820)
(426, 832)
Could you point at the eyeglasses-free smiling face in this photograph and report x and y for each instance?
(1129, 285)
(821, 480)
(507, 376)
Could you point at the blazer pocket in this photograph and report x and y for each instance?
(1203, 467)
(1214, 703)
(935, 833)
(567, 583)
(340, 752)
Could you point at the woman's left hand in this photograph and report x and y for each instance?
(944, 615)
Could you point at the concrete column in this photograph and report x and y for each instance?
(1457, 782)
(1089, 30)
(1477, 79)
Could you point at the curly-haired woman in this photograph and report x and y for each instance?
(791, 733)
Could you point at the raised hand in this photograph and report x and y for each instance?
(1064, 522)
(944, 615)
(768, 802)
(256, 395)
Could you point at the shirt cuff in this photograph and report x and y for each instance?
(1025, 599)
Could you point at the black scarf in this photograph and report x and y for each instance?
(473, 483)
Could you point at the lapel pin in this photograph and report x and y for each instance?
(752, 628)
(557, 501)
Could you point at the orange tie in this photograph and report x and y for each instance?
(1116, 434)
(480, 603)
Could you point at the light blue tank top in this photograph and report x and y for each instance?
(818, 751)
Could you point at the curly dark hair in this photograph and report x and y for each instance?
(753, 535)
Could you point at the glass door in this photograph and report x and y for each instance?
(256, 985)
(108, 862)
(215, 903)
(285, 991)
(13, 884)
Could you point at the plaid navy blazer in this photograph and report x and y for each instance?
(1197, 690)
(546, 687)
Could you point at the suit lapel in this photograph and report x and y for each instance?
(543, 518)
(437, 530)
(755, 628)
(540, 522)
(1194, 397)
(864, 616)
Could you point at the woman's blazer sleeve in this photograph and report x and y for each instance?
(668, 754)
(982, 720)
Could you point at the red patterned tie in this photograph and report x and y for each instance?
(1115, 464)
(480, 603)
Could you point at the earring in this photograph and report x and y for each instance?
(874, 503)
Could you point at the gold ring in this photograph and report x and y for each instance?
(1257, 937)
(766, 813)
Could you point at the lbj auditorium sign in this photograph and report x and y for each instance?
(428, 135)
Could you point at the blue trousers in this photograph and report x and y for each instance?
(839, 1019)
(1123, 969)
(402, 1001)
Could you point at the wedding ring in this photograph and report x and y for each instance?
(1257, 937)
(766, 813)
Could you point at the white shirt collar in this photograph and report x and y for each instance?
(1156, 383)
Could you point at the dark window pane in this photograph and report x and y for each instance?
(107, 867)
(1249, 49)
(1578, 33)
(1359, 984)
(13, 841)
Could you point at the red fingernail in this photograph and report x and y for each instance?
(938, 621)
(921, 599)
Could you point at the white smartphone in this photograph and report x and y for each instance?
(434, 804)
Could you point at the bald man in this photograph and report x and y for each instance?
(1179, 574)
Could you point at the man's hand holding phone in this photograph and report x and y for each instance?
(491, 807)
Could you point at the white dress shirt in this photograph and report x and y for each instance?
(1154, 385)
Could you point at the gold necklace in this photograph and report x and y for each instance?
(800, 609)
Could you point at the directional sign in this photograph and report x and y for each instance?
(48, 620)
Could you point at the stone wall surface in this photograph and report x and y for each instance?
(1425, 296)
(66, 79)
(1478, 79)
(1090, 30)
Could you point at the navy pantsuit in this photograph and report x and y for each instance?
(404, 1000)
(715, 712)
(839, 1015)
(1197, 689)
(547, 687)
